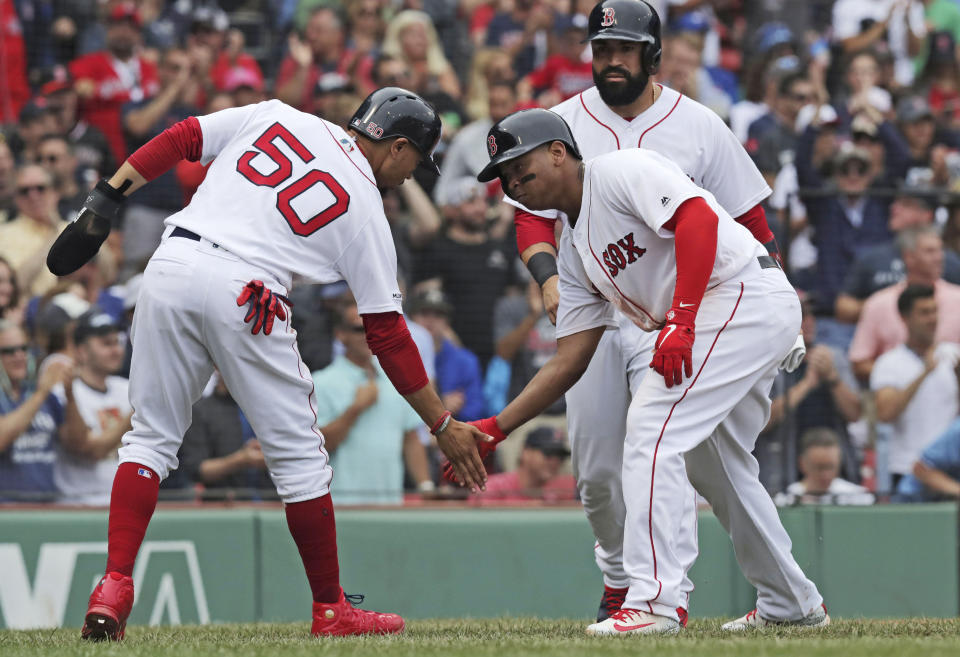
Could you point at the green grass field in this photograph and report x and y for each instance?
(509, 637)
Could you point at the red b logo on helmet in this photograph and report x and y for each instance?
(608, 17)
(492, 145)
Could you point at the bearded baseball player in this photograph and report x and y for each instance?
(287, 193)
(626, 110)
(645, 239)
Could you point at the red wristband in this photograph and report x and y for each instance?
(441, 423)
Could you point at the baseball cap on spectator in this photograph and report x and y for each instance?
(210, 19)
(849, 151)
(431, 301)
(329, 83)
(771, 35)
(461, 190)
(942, 48)
(547, 440)
(827, 117)
(913, 108)
(125, 11)
(94, 322)
(34, 109)
(566, 22)
(55, 80)
(242, 76)
(863, 128)
(691, 21)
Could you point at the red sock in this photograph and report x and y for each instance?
(314, 531)
(134, 497)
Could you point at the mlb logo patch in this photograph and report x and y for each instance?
(347, 144)
(143, 472)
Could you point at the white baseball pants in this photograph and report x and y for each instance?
(186, 322)
(596, 417)
(706, 428)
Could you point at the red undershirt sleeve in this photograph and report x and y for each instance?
(181, 141)
(532, 229)
(389, 339)
(694, 226)
(755, 220)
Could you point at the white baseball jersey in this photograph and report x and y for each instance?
(627, 255)
(292, 194)
(678, 127)
(82, 480)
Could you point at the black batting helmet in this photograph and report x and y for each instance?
(628, 20)
(521, 132)
(394, 112)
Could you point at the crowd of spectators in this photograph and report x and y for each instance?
(850, 109)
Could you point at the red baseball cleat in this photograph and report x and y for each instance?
(341, 618)
(110, 604)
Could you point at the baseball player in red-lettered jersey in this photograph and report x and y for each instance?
(643, 238)
(626, 110)
(286, 193)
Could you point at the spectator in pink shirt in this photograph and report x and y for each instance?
(537, 476)
(881, 328)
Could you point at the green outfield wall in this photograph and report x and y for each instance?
(200, 566)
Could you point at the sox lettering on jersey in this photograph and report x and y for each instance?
(625, 252)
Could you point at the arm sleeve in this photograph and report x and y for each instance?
(695, 243)
(864, 343)
(369, 266)
(221, 127)
(181, 141)
(474, 405)
(532, 229)
(580, 308)
(886, 373)
(944, 452)
(755, 220)
(390, 341)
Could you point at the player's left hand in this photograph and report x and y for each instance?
(81, 240)
(265, 305)
(674, 347)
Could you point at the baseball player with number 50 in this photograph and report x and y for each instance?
(643, 238)
(287, 193)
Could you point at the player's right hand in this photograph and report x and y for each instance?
(551, 297)
(489, 427)
(265, 305)
(81, 240)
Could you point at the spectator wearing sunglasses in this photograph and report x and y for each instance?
(55, 154)
(32, 419)
(24, 242)
(846, 219)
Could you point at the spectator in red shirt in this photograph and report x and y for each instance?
(216, 52)
(108, 79)
(537, 476)
(320, 50)
(14, 91)
(565, 73)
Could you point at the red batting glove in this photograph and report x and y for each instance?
(675, 347)
(265, 305)
(488, 426)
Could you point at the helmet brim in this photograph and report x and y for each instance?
(427, 163)
(619, 35)
(492, 170)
